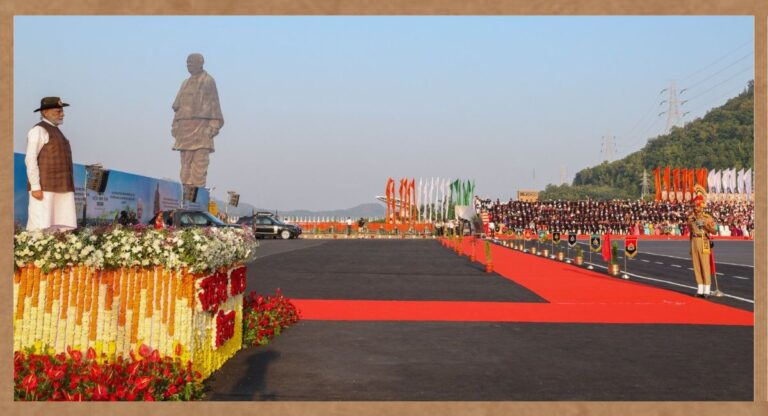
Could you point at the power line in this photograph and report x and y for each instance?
(717, 101)
(720, 83)
(716, 73)
(718, 59)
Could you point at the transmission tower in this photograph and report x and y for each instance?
(645, 184)
(608, 148)
(673, 108)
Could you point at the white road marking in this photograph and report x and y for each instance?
(646, 261)
(670, 283)
(690, 268)
(739, 277)
(677, 265)
(658, 262)
(688, 258)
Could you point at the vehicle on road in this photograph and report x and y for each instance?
(265, 225)
(182, 218)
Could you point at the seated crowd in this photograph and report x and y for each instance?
(636, 217)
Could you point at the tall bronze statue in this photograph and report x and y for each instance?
(196, 122)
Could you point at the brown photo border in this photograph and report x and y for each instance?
(756, 8)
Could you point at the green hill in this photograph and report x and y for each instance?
(723, 138)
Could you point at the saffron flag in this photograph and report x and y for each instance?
(692, 181)
(676, 180)
(657, 182)
(684, 183)
(607, 248)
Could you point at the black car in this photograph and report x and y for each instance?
(180, 218)
(265, 225)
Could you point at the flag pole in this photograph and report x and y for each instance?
(717, 293)
(625, 275)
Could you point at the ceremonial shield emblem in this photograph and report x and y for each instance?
(542, 235)
(594, 242)
(556, 238)
(630, 247)
(571, 239)
(527, 234)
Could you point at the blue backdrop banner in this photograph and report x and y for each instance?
(135, 194)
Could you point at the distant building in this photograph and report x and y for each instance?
(528, 196)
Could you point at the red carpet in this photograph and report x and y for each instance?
(575, 295)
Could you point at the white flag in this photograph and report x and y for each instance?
(712, 182)
(740, 181)
(431, 199)
(724, 175)
(719, 182)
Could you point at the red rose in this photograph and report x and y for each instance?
(75, 354)
(99, 392)
(145, 351)
(142, 383)
(133, 368)
(29, 382)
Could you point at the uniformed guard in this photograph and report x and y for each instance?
(701, 225)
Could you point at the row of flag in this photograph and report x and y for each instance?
(597, 243)
(730, 181)
(429, 199)
(677, 183)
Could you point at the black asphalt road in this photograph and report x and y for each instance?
(667, 264)
(346, 360)
(380, 270)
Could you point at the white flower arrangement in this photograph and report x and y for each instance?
(196, 249)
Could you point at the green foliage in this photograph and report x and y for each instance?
(723, 138)
(614, 253)
(579, 251)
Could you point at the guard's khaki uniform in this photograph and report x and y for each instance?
(700, 247)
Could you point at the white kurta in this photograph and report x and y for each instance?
(56, 209)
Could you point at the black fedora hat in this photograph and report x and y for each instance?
(50, 102)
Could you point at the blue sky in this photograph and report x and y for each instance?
(320, 111)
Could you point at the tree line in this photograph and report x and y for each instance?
(723, 138)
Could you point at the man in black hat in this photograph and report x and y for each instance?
(50, 180)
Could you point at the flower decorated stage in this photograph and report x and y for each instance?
(179, 292)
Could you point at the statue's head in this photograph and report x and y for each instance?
(195, 63)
